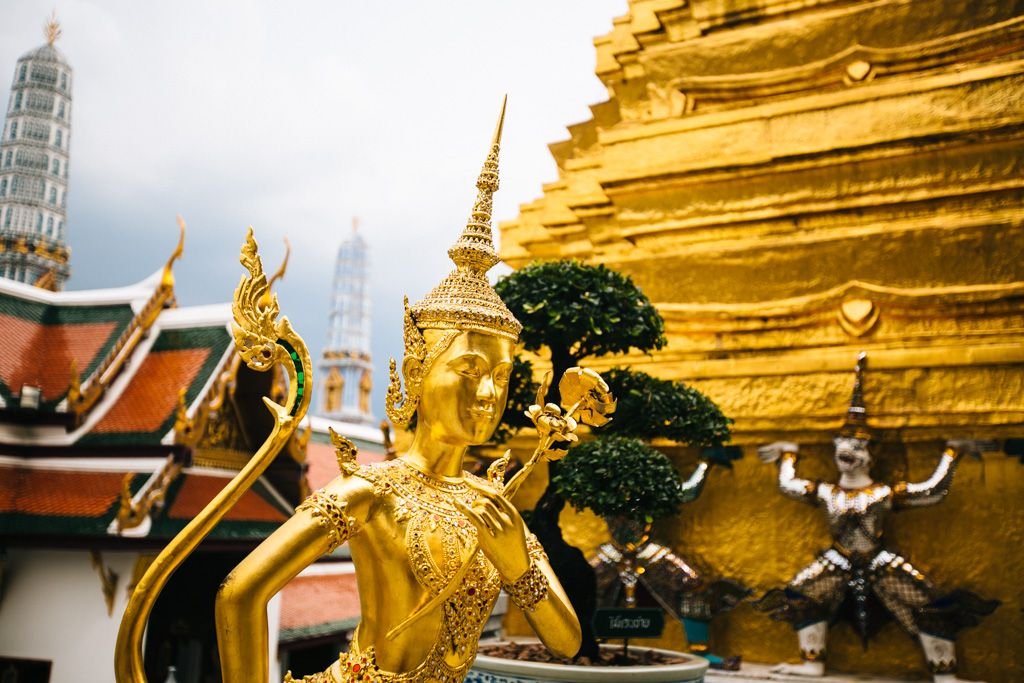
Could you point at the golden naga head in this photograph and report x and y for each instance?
(463, 302)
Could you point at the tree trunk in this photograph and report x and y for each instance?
(570, 566)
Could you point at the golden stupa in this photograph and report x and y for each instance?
(793, 182)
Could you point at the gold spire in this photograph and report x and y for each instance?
(475, 246)
(465, 299)
(167, 279)
(51, 29)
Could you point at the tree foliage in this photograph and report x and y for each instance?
(578, 310)
(650, 408)
(619, 476)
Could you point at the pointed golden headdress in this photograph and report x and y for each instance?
(462, 301)
(465, 300)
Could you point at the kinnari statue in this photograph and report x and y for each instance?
(432, 544)
(858, 578)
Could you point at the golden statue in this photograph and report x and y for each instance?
(365, 387)
(432, 544)
(334, 386)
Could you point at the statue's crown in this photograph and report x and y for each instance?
(465, 300)
(856, 424)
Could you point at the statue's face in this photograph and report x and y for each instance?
(464, 390)
(852, 455)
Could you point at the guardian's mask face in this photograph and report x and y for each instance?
(852, 455)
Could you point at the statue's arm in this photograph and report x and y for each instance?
(552, 618)
(934, 488)
(692, 487)
(523, 566)
(792, 486)
(318, 526)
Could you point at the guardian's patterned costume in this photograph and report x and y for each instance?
(858, 578)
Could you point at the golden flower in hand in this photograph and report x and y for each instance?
(552, 425)
(589, 393)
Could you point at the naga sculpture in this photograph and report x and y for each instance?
(858, 577)
(432, 544)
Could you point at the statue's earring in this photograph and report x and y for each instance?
(398, 408)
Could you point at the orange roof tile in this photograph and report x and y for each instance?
(152, 394)
(41, 355)
(323, 464)
(58, 493)
(197, 490)
(313, 600)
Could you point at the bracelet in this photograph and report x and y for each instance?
(529, 589)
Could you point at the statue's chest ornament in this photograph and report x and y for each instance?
(438, 538)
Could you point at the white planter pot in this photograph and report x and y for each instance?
(488, 669)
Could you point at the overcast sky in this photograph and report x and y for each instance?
(296, 116)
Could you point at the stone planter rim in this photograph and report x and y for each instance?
(692, 670)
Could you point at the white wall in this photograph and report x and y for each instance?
(52, 608)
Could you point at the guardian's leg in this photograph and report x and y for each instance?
(941, 656)
(813, 639)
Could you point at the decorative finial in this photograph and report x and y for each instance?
(474, 249)
(856, 424)
(355, 224)
(168, 277)
(279, 274)
(51, 29)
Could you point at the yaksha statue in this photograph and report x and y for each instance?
(858, 578)
(427, 539)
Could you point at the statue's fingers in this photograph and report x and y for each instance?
(473, 516)
(504, 505)
(480, 486)
(491, 519)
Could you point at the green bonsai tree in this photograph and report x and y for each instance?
(618, 476)
(577, 311)
(652, 408)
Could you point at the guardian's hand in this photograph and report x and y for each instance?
(773, 451)
(970, 447)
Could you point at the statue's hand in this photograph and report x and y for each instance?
(500, 531)
(773, 451)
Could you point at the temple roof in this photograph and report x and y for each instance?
(45, 53)
(123, 415)
(323, 600)
(55, 501)
(43, 336)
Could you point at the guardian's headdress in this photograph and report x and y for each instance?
(856, 425)
(462, 301)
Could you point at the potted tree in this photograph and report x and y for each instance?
(576, 311)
